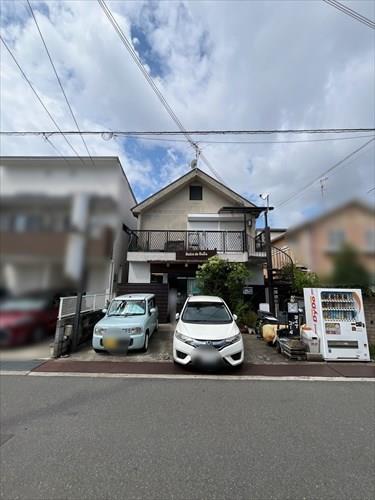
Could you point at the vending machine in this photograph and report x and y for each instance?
(337, 317)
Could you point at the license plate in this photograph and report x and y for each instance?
(110, 343)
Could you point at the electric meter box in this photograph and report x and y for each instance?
(336, 316)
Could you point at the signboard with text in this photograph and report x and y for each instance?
(195, 254)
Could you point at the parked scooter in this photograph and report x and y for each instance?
(264, 318)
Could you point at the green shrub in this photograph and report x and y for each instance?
(224, 279)
(245, 315)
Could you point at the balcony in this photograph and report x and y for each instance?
(188, 241)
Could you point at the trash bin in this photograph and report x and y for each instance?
(311, 340)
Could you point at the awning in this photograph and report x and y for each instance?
(256, 211)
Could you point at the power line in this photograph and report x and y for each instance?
(154, 87)
(277, 142)
(47, 139)
(171, 133)
(37, 96)
(58, 80)
(333, 167)
(352, 13)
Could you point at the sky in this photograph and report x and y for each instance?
(220, 65)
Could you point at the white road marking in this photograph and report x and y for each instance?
(196, 377)
(13, 372)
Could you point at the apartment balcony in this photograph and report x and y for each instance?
(172, 245)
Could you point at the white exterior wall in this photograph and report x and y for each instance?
(51, 178)
(172, 213)
(139, 272)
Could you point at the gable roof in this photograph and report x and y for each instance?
(184, 180)
(352, 203)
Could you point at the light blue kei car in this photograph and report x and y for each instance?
(129, 322)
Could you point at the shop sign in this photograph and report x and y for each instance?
(195, 254)
(248, 290)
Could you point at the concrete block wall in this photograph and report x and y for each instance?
(62, 343)
(369, 305)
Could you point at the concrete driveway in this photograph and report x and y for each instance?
(160, 349)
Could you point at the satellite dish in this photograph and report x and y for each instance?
(193, 163)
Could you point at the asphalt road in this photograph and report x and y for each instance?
(87, 438)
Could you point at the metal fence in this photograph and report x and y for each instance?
(174, 241)
(90, 303)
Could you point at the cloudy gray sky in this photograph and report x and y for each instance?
(220, 65)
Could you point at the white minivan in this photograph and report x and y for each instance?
(207, 335)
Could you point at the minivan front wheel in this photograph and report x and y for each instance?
(147, 340)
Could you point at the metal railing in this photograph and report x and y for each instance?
(174, 241)
(90, 303)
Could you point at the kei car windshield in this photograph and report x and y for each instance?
(127, 308)
(206, 313)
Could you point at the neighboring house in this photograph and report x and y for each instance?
(313, 244)
(182, 225)
(57, 213)
(275, 232)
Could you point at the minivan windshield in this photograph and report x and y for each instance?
(206, 313)
(127, 308)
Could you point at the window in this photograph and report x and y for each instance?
(195, 192)
(34, 222)
(127, 308)
(156, 278)
(20, 222)
(206, 312)
(336, 239)
(6, 222)
(151, 304)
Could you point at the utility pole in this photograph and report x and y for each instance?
(76, 258)
(267, 237)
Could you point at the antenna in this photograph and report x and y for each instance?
(194, 163)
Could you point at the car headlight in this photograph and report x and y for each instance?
(99, 330)
(133, 331)
(183, 338)
(235, 338)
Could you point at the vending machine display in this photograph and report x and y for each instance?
(337, 317)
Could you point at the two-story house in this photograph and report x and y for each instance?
(182, 225)
(60, 215)
(313, 243)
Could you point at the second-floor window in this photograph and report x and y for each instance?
(336, 239)
(195, 193)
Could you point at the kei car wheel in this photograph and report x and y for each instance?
(147, 340)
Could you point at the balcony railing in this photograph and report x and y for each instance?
(186, 241)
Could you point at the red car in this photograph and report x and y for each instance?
(27, 319)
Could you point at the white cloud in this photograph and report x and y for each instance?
(223, 65)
